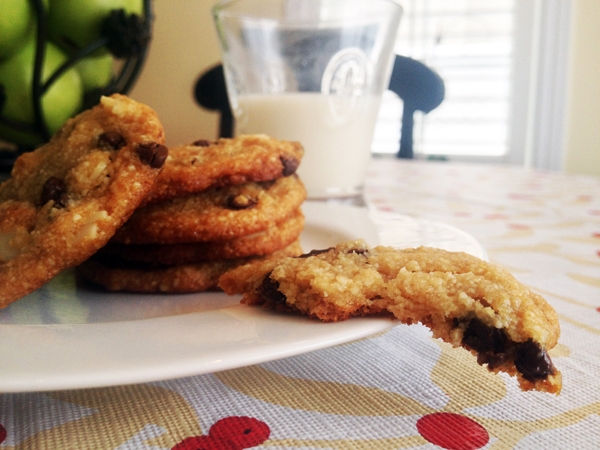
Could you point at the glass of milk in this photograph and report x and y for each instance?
(311, 71)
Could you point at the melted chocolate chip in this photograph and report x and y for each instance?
(268, 291)
(239, 201)
(290, 165)
(495, 349)
(493, 360)
(315, 252)
(153, 154)
(484, 339)
(111, 140)
(533, 361)
(201, 143)
(360, 251)
(54, 189)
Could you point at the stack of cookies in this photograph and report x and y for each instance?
(215, 206)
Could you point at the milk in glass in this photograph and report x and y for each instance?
(335, 131)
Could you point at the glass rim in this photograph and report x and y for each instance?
(226, 8)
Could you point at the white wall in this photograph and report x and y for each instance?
(583, 111)
(184, 45)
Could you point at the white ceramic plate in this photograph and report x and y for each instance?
(68, 336)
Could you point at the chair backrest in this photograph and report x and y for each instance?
(211, 93)
(419, 87)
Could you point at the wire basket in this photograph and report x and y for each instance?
(125, 36)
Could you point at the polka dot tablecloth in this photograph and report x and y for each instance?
(398, 389)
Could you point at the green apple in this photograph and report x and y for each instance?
(96, 71)
(73, 24)
(16, 21)
(62, 100)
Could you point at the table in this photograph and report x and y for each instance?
(398, 389)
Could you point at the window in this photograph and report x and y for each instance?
(502, 62)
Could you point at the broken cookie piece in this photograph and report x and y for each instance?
(464, 301)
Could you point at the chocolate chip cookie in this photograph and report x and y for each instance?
(225, 162)
(465, 301)
(262, 243)
(218, 213)
(66, 199)
(118, 275)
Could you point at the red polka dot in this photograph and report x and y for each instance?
(243, 432)
(229, 433)
(452, 431)
(598, 309)
(2, 433)
(204, 443)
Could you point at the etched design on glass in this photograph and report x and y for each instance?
(346, 73)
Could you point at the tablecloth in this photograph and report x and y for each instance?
(395, 390)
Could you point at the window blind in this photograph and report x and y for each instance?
(470, 44)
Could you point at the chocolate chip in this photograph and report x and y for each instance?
(493, 360)
(240, 201)
(495, 349)
(315, 252)
(290, 165)
(54, 189)
(360, 251)
(153, 154)
(202, 143)
(268, 291)
(484, 339)
(533, 361)
(111, 140)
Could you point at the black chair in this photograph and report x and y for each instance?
(210, 92)
(419, 87)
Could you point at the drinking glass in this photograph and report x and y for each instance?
(312, 71)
